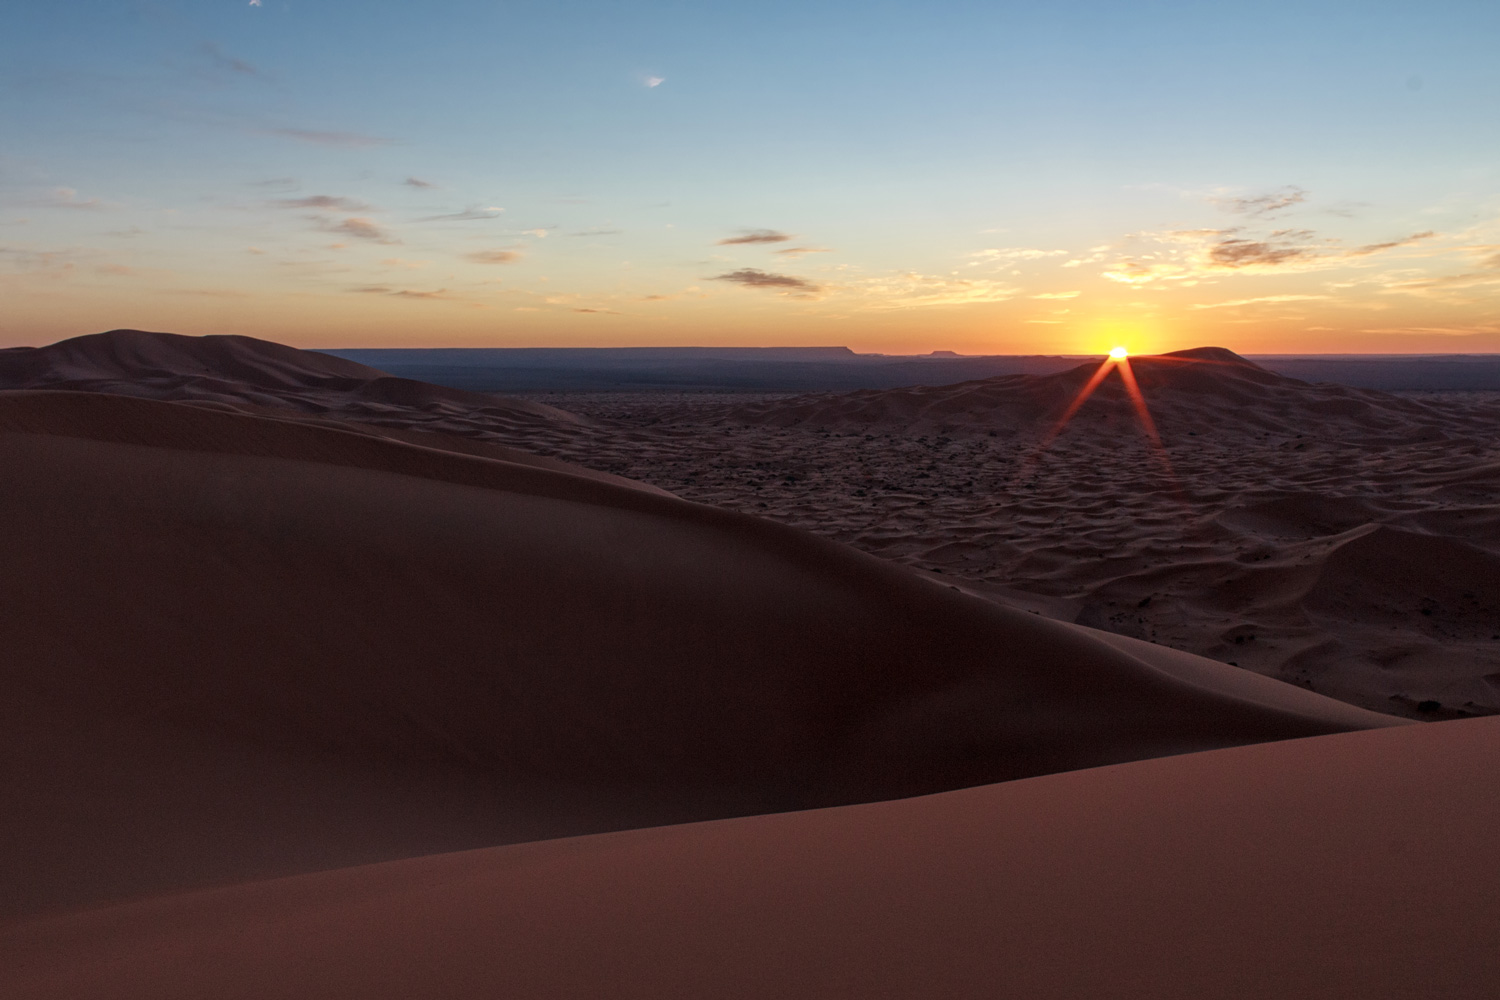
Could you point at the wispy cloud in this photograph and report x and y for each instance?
(1281, 247)
(1007, 255)
(1190, 255)
(494, 256)
(347, 140)
(908, 290)
(606, 312)
(467, 215)
(1056, 295)
(65, 197)
(655, 81)
(597, 232)
(1370, 248)
(401, 293)
(1259, 300)
(327, 202)
(223, 60)
(750, 277)
(757, 236)
(795, 252)
(418, 182)
(358, 227)
(1263, 204)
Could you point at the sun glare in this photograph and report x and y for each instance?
(1118, 353)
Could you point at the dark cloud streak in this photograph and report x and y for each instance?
(756, 236)
(751, 277)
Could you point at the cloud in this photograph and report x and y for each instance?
(347, 140)
(359, 227)
(597, 232)
(1370, 248)
(324, 201)
(401, 293)
(1008, 255)
(1257, 301)
(68, 198)
(418, 182)
(494, 256)
(1264, 204)
(910, 290)
(1237, 252)
(279, 183)
(1056, 295)
(50, 262)
(225, 61)
(467, 215)
(799, 251)
(607, 312)
(751, 277)
(756, 236)
(655, 81)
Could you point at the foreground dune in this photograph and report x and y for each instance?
(1345, 866)
(239, 647)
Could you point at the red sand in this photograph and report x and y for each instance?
(1349, 866)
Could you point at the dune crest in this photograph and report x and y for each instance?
(277, 635)
(238, 371)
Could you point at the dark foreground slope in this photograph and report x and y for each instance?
(1350, 866)
(238, 646)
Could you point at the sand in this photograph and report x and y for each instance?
(1349, 866)
(282, 684)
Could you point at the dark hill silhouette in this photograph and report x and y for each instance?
(241, 371)
(1204, 390)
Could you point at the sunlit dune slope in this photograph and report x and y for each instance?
(243, 370)
(1188, 392)
(237, 646)
(1345, 866)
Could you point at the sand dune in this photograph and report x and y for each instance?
(294, 650)
(1189, 392)
(236, 371)
(1345, 866)
(239, 646)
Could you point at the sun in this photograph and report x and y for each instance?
(1118, 354)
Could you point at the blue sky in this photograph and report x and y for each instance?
(992, 176)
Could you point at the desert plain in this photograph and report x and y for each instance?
(326, 682)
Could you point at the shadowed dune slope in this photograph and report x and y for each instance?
(1345, 866)
(243, 370)
(238, 647)
(1191, 391)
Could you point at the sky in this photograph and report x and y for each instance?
(898, 177)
